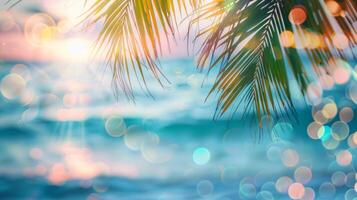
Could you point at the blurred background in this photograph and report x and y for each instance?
(65, 135)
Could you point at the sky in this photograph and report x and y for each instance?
(67, 36)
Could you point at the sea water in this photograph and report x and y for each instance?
(64, 135)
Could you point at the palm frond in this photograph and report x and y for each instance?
(131, 35)
(245, 43)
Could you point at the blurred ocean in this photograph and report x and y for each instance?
(63, 135)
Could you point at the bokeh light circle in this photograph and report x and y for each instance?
(334, 7)
(344, 158)
(296, 191)
(297, 15)
(303, 175)
(12, 86)
(290, 158)
(346, 114)
(201, 156)
(327, 190)
(313, 130)
(283, 183)
(340, 130)
(341, 75)
(115, 126)
(135, 137)
(205, 188)
(338, 178)
(39, 29)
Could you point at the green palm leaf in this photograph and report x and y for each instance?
(244, 42)
(131, 35)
